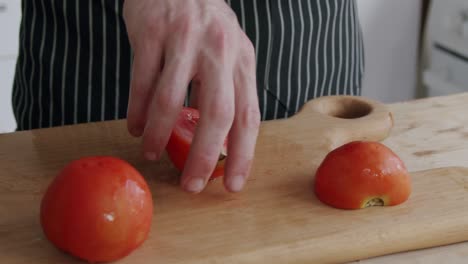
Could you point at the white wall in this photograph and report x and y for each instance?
(391, 33)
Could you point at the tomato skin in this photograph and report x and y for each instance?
(354, 174)
(178, 146)
(98, 209)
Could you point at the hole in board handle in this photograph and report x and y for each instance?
(346, 108)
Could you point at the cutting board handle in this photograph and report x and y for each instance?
(348, 118)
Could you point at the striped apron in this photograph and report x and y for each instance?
(74, 62)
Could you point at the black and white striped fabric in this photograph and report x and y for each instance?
(74, 62)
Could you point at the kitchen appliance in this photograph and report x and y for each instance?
(10, 18)
(446, 48)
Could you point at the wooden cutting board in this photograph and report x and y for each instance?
(277, 219)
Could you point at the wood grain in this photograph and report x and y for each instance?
(277, 219)
(438, 128)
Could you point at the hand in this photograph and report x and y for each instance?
(175, 42)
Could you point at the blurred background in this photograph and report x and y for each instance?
(414, 48)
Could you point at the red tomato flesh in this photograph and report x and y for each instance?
(362, 174)
(98, 209)
(181, 138)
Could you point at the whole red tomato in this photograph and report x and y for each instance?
(178, 147)
(362, 174)
(97, 209)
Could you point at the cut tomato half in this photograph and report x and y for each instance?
(181, 138)
(362, 174)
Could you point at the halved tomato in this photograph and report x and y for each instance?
(178, 147)
(362, 174)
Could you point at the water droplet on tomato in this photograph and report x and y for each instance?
(133, 187)
(109, 217)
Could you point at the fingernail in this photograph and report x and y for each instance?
(151, 156)
(236, 183)
(195, 185)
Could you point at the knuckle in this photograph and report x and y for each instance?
(247, 56)
(219, 37)
(249, 51)
(184, 25)
(165, 102)
(221, 114)
(152, 26)
(230, 16)
(125, 11)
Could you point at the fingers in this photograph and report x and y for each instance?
(168, 97)
(145, 72)
(244, 132)
(224, 92)
(216, 104)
